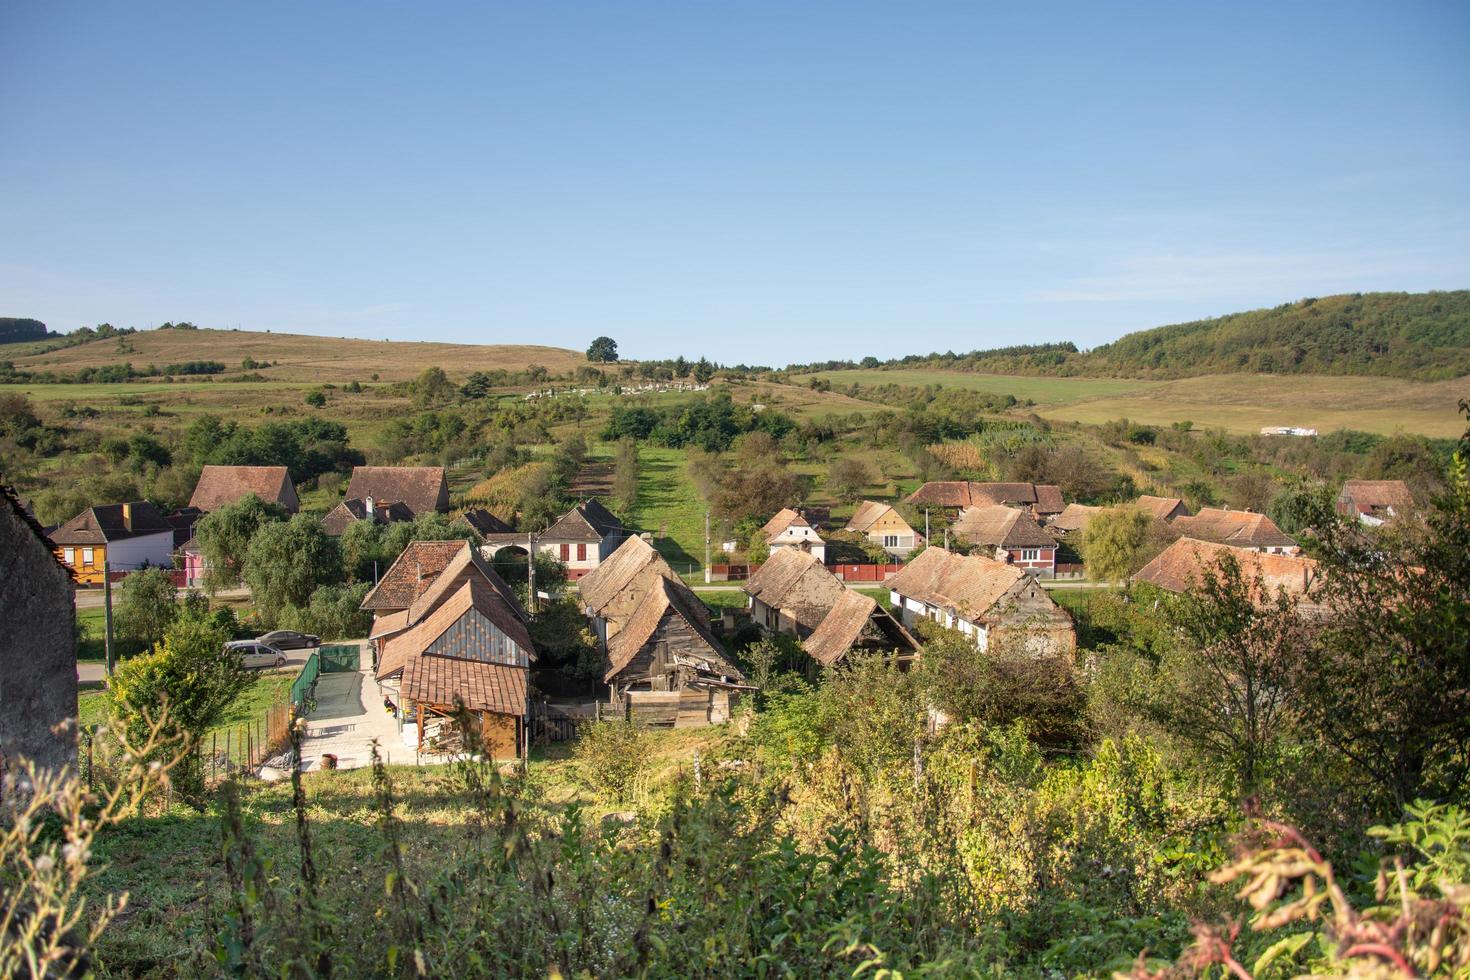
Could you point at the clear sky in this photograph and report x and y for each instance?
(766, 182)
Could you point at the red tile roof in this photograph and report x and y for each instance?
(1183, 565)
(474, 596)
(997, 526)
(221, 485)
(1074, 517)
(1044, 498)
(412, 573)
(969, 585)
(423, 489)
(1163, 508)
(1373, 496)
(1241, 528)
(448, 682)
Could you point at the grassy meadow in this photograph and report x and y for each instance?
(296, 357)
(1240, 403)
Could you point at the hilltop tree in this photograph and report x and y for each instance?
(703, 371)
(603, 350)
(432, 387)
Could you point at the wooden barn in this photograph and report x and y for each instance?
(665, 667)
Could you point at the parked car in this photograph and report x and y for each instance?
(253, 653)
(289, 640)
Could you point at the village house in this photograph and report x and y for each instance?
(1374, 502)
(953, 496)
(792, 592)
(665, 667)
(985, 600)
(789, 530)
(885, 527)
(1009, 535)
(348, 512)
(1163, 508)
(464, 564)
(1073, 519)
(38, 646)
(123, 537)
(1183, 566)
(421, 489)
(582, 538)
(469, 651)
(857, 623)
(1237, 528)
(611, 592)
(221, 485)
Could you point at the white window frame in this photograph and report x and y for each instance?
(70, 555)
(890, 541)
(1031, 554)
(88, 556)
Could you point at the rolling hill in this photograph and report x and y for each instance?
(293, 357)
(1423, 336)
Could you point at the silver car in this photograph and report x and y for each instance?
(253, 653)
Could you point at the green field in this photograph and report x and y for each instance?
(1048, 391)
(670, 507)
(1242, 403)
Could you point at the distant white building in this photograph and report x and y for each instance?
(1287, 430)
(788, 529)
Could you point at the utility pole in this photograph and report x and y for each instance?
(706, 548)
(926, 525)
(107, 610)
(531, 570)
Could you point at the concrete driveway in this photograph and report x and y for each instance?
(349, 716)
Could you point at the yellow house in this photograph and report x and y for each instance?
(123, 537)
(885, 527)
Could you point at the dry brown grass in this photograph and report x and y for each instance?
(297, 357)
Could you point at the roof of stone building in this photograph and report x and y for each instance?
(422, 489)
(967, 584)
(1241, 528)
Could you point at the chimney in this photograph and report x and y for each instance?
(371, 510)
(127, 516)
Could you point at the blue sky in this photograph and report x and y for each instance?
(769, 182)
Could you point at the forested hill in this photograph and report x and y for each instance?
(1406, 335)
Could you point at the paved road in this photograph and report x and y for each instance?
(92, 597)
(94, 672)
(349, 717)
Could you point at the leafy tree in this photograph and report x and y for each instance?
(432, 387)
(287, 562)
(1226, 686)
(334, 613)
(603, 350)
(704, 371)
(187, 674)
(625, 475)
(757, 491)
(224, 537)
(1113, 542)
(146, 607)
(1004, 685)
(1388, 685)
(847, 476)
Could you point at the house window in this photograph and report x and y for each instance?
(1030, 554)
(71, 556)
(86, 556)
(581, 552)
(565, 552)
(890, 541)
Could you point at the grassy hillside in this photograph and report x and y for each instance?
(1406, 335)
(1239, 403)
(294, 357)
(1425, 336)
